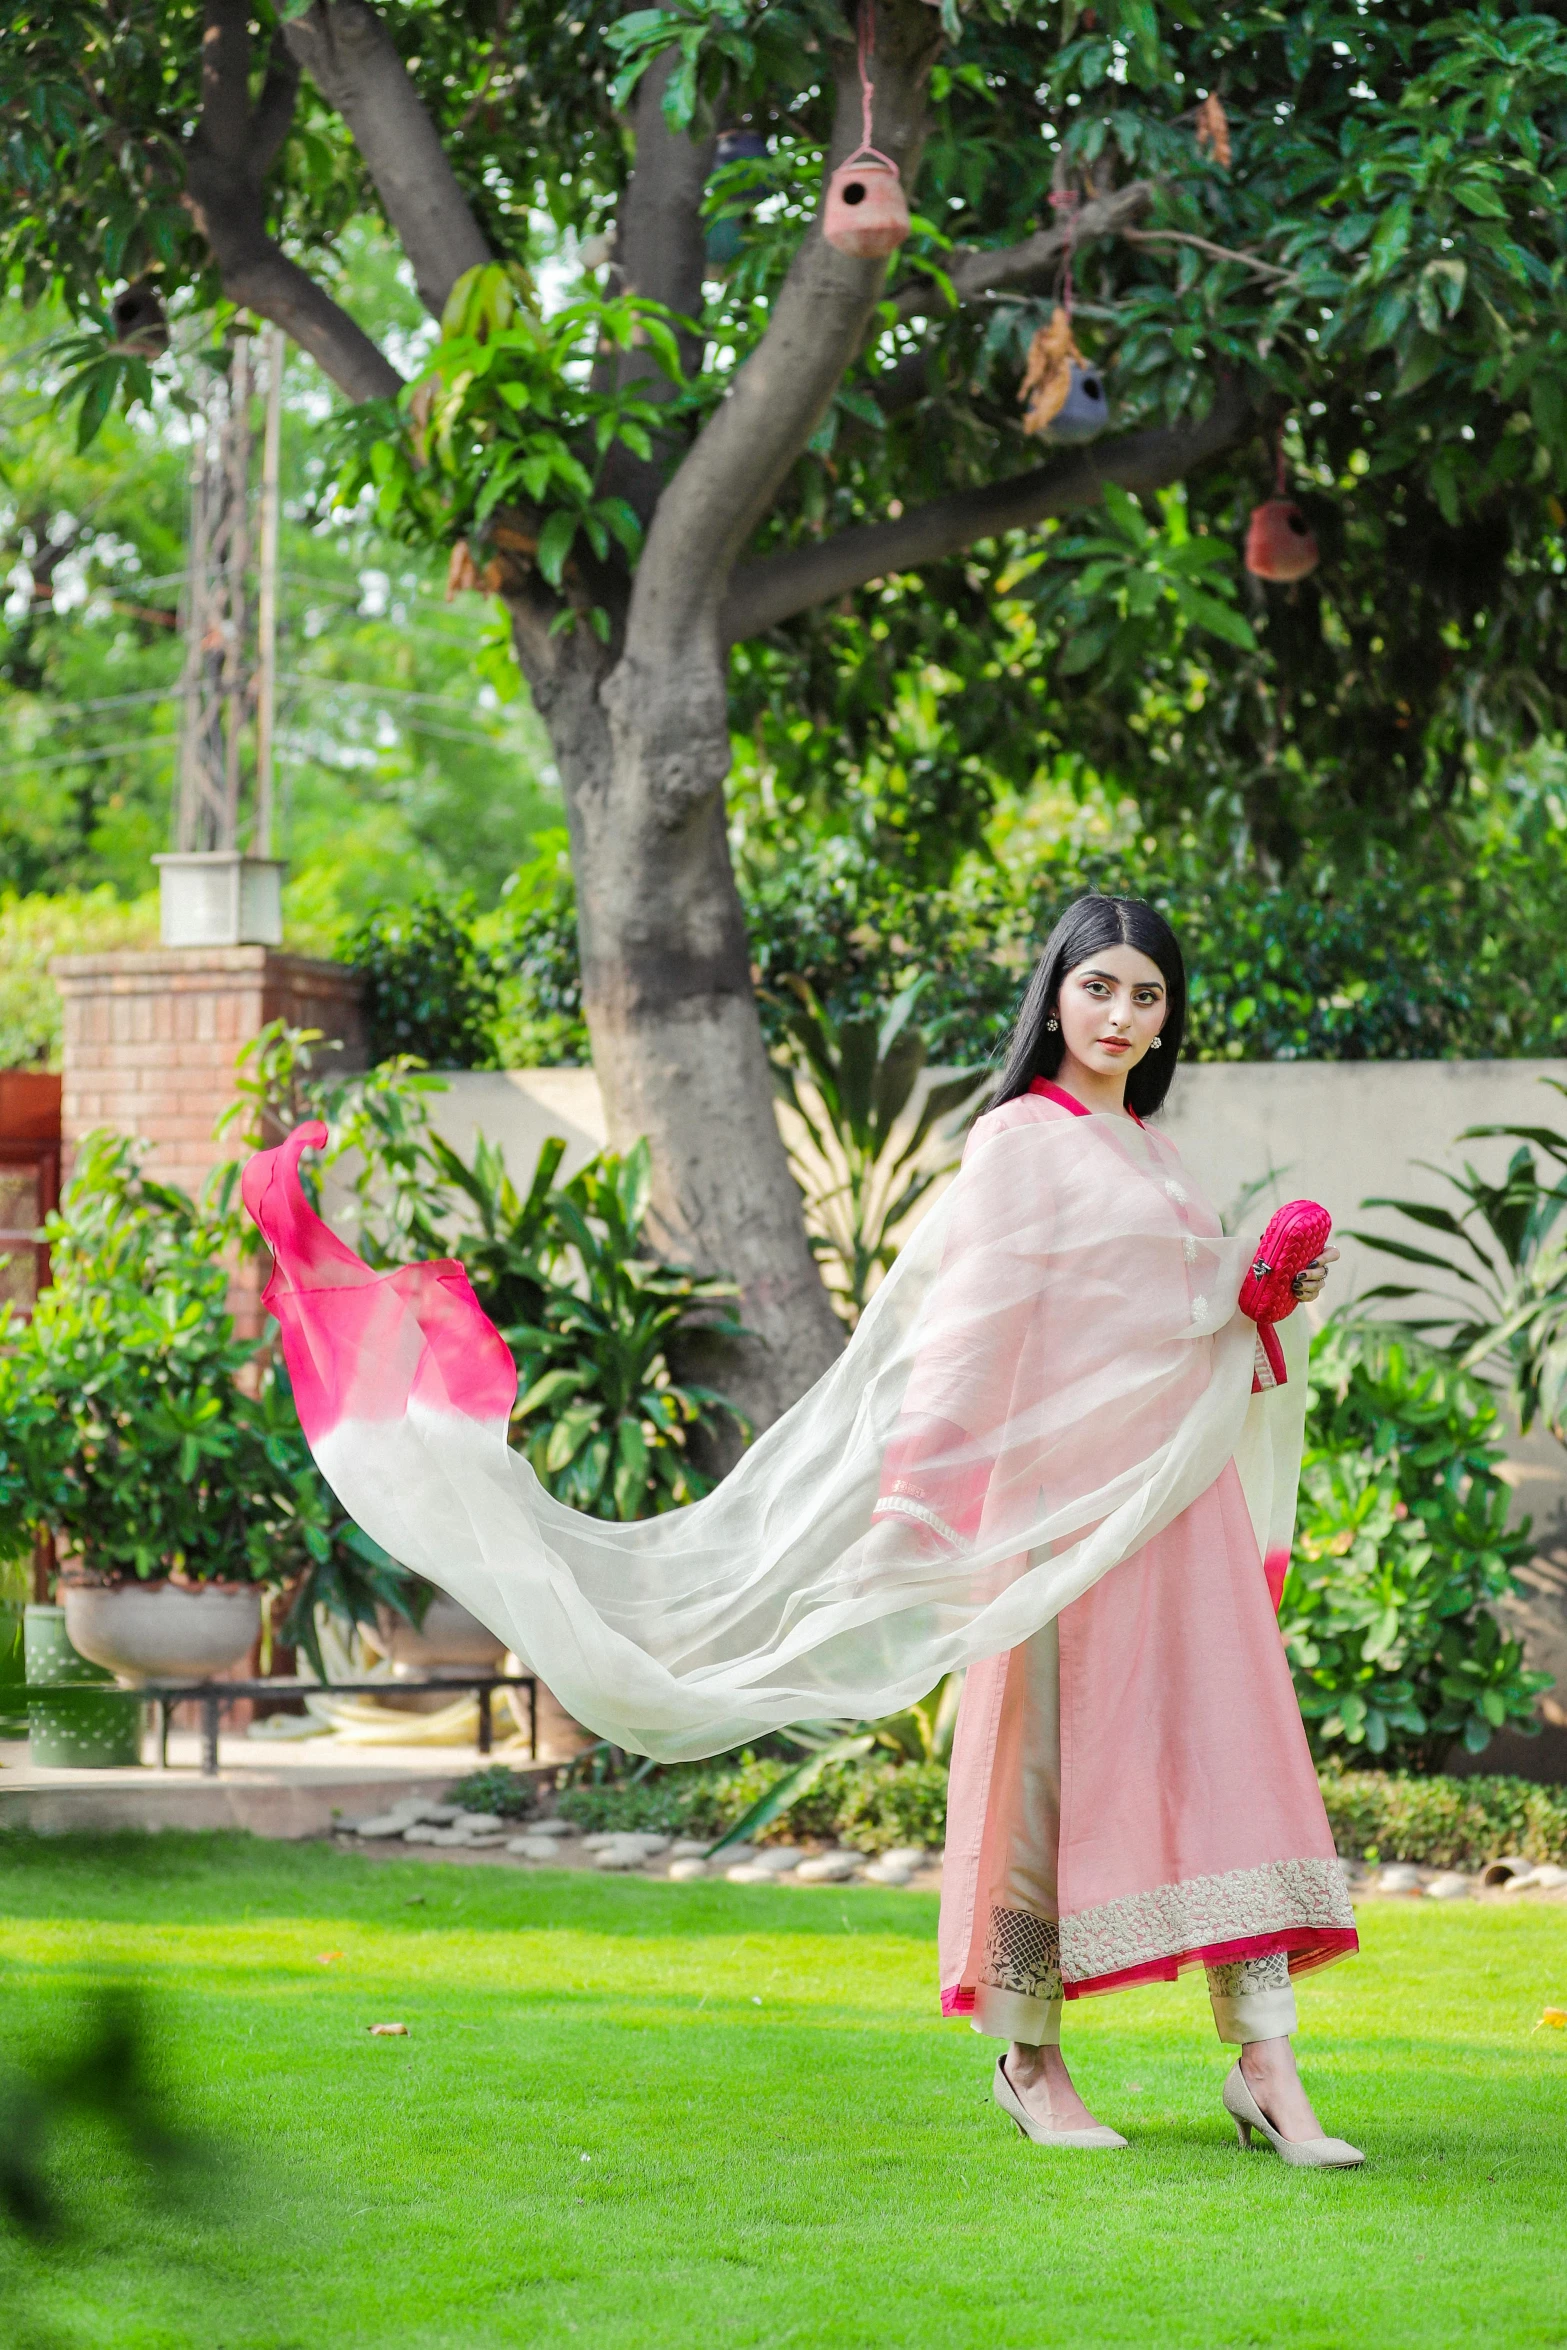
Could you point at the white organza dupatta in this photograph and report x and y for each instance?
(1052, 1371)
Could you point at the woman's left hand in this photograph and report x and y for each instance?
(1307, 1286)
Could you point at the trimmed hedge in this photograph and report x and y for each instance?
(871, 1805)
(1374, 1815)
(1443, 1823)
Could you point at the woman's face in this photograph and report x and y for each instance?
(1111, 1008)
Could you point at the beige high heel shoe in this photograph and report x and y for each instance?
(1301, 2153)
(1099, 2138)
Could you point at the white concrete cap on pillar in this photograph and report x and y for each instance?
(220, 898)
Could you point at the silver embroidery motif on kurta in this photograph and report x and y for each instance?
(1022, 1954)
(1203, 1912)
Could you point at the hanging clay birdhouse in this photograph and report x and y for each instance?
(139, 323)
(1279, 541)
(866, 214)
(1063, 397)
(726, 236)
(1084, 413)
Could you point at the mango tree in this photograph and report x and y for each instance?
(664, 415)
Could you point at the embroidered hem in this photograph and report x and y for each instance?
(1298, 1907)
(1268, 1906)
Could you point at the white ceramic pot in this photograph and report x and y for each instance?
(163, 1631)
(449, 1639)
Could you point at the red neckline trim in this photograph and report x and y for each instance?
(1069, 1101)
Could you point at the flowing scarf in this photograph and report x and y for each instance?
(1051, 1372)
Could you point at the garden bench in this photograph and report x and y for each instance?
(212, 1696)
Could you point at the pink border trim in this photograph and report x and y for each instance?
(1069, 1101)
(1308, 1947)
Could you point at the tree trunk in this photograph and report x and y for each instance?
(667, 991)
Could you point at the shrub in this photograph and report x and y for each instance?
(428, 990)
(1401, 1543)
(872, 1805)
(509, 1793)
(33, 930)
(145, 1435)
(1443, 1823)
(531, 943)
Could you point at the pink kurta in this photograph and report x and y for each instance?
(1191, 1824)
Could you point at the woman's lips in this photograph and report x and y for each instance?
(1116, 1044)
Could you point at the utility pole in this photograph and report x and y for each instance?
(216, 674)
(221, 885)
(266, 595)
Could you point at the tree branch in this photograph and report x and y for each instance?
(658, 253)
(225, 165)
(778, 397)
(274, 114)
(762, 594)
(1180, 236)
(976, 270)
(349, 55)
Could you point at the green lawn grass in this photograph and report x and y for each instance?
(632, 2115)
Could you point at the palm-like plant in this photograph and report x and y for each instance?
(860, 1153)
(1511, 1319)
(600, 1416)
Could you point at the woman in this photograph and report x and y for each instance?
(1053, 1383)
(1131, 1788)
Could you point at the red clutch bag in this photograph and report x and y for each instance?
(1297, 1234)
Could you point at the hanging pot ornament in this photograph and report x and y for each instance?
(1062, 397)
(1279, 540)
(866, 214)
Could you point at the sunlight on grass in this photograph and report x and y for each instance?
(637, 2115)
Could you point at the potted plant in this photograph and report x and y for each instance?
(160, 1449)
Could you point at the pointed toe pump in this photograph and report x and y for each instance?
(1301, 2153)
(1099, 2139)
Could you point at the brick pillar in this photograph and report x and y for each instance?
(150, 1040)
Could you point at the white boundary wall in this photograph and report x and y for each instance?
(1337, 1131)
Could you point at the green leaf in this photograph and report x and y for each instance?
(555, 544)
(1220, 619)
(787, 1791)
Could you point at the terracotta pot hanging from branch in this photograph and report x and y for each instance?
(866, 214)
(1062, 396)
(1280, 544)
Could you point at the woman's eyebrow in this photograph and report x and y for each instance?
(1110, 976)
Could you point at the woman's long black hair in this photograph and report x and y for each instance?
(1087, 927)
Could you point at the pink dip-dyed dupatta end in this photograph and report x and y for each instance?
(1045, 1413)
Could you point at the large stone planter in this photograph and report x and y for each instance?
(90, 1726)
(449, 1641)
(163, 1631)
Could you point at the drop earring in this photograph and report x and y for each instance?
(1052, 1022)
(1157, 1046)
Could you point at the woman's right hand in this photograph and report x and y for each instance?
(1307, 1285)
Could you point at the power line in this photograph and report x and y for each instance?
(155, 693)
(142, 742)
